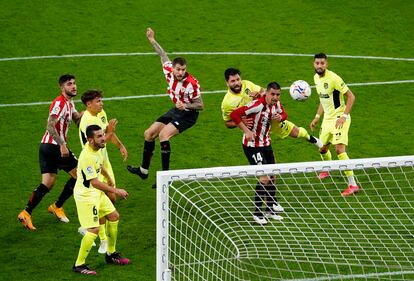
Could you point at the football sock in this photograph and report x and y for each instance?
(303, 133)
(112, 228)
(258, 199)
(165, 155)
(36, 197)
(102, 231)
(85, 247)
(66, 192)
(270, 196)
(349, 173)
(149, 147)
(326, 156)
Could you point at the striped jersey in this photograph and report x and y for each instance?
(262, 114)
(185, 90)
(63, 109)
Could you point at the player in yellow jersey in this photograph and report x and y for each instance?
(336, 116)
(95, 115)
(92, 203)
(241, 92)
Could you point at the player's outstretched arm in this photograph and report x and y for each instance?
(160, 51)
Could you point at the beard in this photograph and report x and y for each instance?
(236, 90)
(320, 72)
(70, 94)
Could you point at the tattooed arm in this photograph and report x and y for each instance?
(51, 123)
(76, 117)
(157, 47)
(196, 104)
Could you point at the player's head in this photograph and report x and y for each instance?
(233, 79)
(179, 68)
(273, 92)
(92, 99)
(67, 84)
(320, 63)
(95, 136)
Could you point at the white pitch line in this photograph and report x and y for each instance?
(203, 92)
(202, 53)
(352, 276)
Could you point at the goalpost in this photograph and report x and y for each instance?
(206, 231)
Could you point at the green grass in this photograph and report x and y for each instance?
(382, 119)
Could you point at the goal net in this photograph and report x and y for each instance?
(206, 231)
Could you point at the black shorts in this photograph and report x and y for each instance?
(50, 159)
(259, 155)
(181, 119)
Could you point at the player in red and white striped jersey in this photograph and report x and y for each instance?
(184, 91)
(54, 153)
(257, 146)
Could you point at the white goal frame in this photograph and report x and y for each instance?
(165, 177)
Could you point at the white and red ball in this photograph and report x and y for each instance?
(300, 90)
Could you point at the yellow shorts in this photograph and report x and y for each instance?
(282, 129)
(330, 134)
(93, 208)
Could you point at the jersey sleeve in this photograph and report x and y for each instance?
(82, 130)
(167, 67)
(283, 113)
(196, 89)
(340, 85)
(253, 107)
(88, 168)
(56, 108)
(253, 87)
(226, 109)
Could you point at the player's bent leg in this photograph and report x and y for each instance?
(85, 247)
(25, 216)
(166, 133)
(103, 246)
(112, 256)
(325, 156)
(352, 186)
(149, 145)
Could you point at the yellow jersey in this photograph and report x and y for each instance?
(331, 89)
(232, 100)
(89, 167)
(88, 119)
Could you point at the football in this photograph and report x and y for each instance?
(300, 90)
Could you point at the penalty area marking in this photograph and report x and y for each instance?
(203, 92)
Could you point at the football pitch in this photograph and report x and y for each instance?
(369, 44)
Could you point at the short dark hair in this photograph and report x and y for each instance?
(91, 129)
(179, 60)
(65, 77)
(273, 85)
(320, 56)
(91, 95)
(230, 72)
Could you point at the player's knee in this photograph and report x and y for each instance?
(295, 132)
(149, 135)
(94, 230)
(114, 216)
(323, 149)
(164, 136)
(339, 149)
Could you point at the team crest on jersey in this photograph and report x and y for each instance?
(247, 91)
(103, 119)
(55, 110)
(325, 85)
(89, 170)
